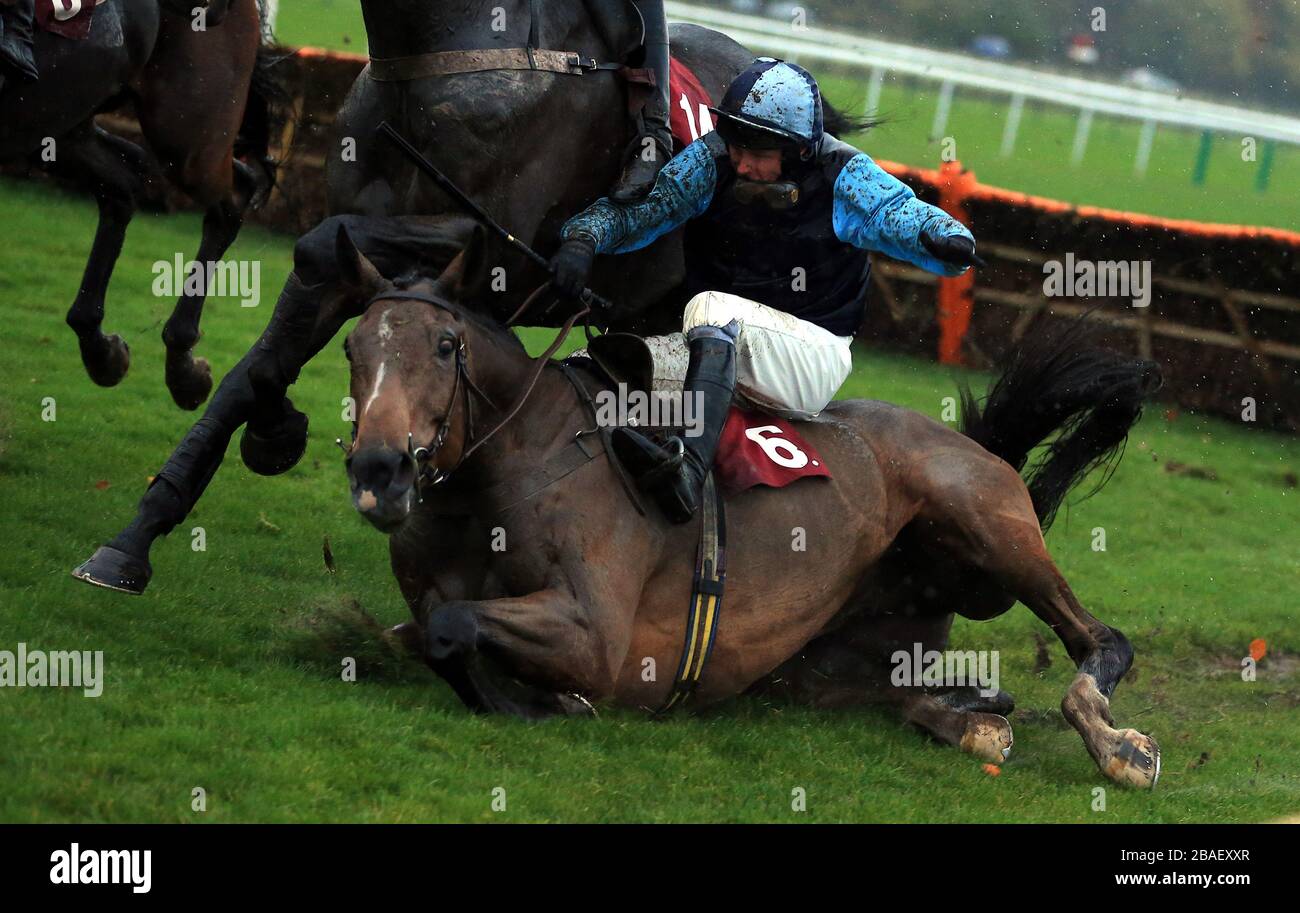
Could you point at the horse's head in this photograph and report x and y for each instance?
(414, 398)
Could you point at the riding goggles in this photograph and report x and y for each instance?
(779, 195)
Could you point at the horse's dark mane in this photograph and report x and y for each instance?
(839, 125)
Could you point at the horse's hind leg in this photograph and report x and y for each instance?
(190, 107)
(206, 172)
(188, 378)
(1007, 543)
(111, 167)
(855, 665)
(986, 736)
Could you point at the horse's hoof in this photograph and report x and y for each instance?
(106, 360)
(451, 634)
(278, 451)
(987, 737)
(114, 569)
(1135, 760)
(968, 699)
(408, 636)
(189, 379)
(575, 704)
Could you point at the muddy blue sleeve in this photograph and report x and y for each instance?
(876, 211)
(682, 192)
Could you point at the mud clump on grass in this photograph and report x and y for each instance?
(327, 633)
(1196, 472)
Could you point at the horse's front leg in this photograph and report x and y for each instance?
(563, 652)
(123, 564)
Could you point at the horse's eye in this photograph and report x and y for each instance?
(446, 346)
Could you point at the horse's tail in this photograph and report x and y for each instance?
(268, 103)
(1062, 383)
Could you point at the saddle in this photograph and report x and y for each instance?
(756, 448)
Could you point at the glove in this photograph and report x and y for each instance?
(572, 267)
(955, 249)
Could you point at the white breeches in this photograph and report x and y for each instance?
(784, 365)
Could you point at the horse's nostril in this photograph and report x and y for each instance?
(376, 469)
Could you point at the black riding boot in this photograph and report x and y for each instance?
(674, 475)
(653, 146)
(16, 39)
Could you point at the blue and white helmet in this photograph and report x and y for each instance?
(773, 104)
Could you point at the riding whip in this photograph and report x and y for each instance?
(588, 297)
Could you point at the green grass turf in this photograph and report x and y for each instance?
(1040, 164)
(226, 674)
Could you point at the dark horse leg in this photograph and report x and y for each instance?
(461, 640)
(123, 564)
(450, 643)
(1007, 546)
(853, 665)
(111, 167)
(197, 154)
(189, 379)
(311, 309)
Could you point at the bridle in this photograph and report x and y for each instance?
(423, 457)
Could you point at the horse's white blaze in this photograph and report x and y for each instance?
(385, 331)
(379, 382)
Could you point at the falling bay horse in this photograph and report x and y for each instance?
(192, 91)
(533, 147)
(536, 587)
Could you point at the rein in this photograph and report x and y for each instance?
(422, 456)
(450, 63)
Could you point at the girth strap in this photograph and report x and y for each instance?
(706, 596)
(450, 63)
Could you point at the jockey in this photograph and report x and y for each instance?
(653, 145)
(781, 218)
(17, 18)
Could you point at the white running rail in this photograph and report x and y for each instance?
(1019, 82)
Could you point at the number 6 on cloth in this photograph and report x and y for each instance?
(758, 449)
